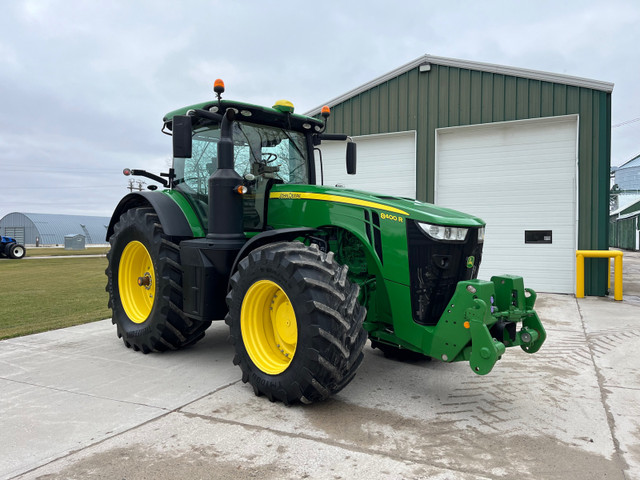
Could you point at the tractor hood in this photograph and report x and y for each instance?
(406, 207)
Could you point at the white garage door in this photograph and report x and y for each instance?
(386, 164)
(519, 177)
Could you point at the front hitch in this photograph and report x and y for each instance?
(483, 319)
(486, 350)
(515, 303)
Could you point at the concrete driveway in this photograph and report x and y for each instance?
(75, 403)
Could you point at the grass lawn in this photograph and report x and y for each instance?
(59, 251)
(46, 294)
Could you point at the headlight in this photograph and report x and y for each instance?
(481, 235)
(440, 232)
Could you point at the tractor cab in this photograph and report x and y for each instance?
(269, 146)
(264, 155)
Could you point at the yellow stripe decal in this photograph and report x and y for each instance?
(334, 198)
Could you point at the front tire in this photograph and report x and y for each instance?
(145, 286)
(295, 323)
(15, 251)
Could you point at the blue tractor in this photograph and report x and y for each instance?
(9, 247)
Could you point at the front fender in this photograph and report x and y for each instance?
(172, 218)
(270, 236)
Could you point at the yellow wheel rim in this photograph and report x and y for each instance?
(269, 327)
(136, 282)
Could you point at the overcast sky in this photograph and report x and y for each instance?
(84, 84)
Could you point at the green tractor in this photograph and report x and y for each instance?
(302, 273)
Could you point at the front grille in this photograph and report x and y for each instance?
(435, 268)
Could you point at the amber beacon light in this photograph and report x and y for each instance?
(218, 86)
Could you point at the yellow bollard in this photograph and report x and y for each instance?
(617, 270)
(579, 275)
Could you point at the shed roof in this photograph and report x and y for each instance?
(626, 204)
(479, 66)
(94, 228)
(634, 162)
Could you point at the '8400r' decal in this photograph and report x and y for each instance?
(386, 216)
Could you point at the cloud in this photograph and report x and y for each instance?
(84, 85)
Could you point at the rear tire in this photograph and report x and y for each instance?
(15, 251)
(145, 286)
(295, 323)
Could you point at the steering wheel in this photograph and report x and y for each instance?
(269, 157)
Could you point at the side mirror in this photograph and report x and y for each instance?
(351, 158)
(181, 128)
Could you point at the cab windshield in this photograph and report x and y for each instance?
(263, 156)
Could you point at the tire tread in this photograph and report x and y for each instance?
(169, 328)
(327, 309)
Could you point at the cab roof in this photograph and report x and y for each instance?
(254, 114)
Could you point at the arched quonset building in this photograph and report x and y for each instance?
(50, 229)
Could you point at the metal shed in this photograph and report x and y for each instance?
(528, 151)
(51, 229)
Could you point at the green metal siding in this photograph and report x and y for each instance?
(623, 233)
(452, 96)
